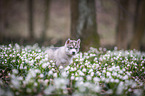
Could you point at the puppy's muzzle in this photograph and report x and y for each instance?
(73, 53)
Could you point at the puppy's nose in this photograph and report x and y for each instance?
(73, 53)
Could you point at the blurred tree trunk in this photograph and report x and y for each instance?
(83, 23)
(132, 18)
(30, 16)
(46, 18)
(122, 32)
(139, 28)
(4, 19)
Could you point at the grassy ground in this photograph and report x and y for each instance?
(27, 71)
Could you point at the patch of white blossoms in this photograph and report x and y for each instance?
(99, 71)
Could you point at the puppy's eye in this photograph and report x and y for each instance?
(70, 47)
(76, 48)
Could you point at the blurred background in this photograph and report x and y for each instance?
(112, 23)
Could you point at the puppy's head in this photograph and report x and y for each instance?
(72, 47)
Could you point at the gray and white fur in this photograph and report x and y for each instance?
(64, 55)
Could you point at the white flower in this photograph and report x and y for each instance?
(50, 72)
(112, 80)
(116, 80)
(64, 74)
(60, 67)
(20, 78)
(129, 90)
(91, 55)
(55, 75)
(103, 78)
(115, 48)
(97, 65)
(44, 65)
(32, 73)
(38, 57)
(92, 73)
(120, 88)
(37, 71)
(75, 69)
(25, 67)
(89, 77)
(51, 61)
(21, 66)
(106, 64)
(110, 69)
(49, 90)
(128, 73)
(108, 74)
(76, 78)
(84, 70)
(120, 71)
(35, 84)
(41, 75)
(96, 79)
(77, 60)
(123, 69)
(125, 77)
(15, 71)
(72, 69)
(76, 74)
(72, 77)
(98, 73)
(45, 82)
(53, 69)
(90, 70)
(67, 68)
(81, 73)
(114, 74)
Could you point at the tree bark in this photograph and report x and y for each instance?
(131, 20)
(83, 23)
(139, 27)
(46, 18)
(122, 32)
(30, 16)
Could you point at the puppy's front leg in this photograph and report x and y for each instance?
(58, 63)
(71, 61)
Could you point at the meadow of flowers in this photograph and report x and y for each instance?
(98, 72)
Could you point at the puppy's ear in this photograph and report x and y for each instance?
(78, 41)
(67, 42)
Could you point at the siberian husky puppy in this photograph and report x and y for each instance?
(63, 55)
